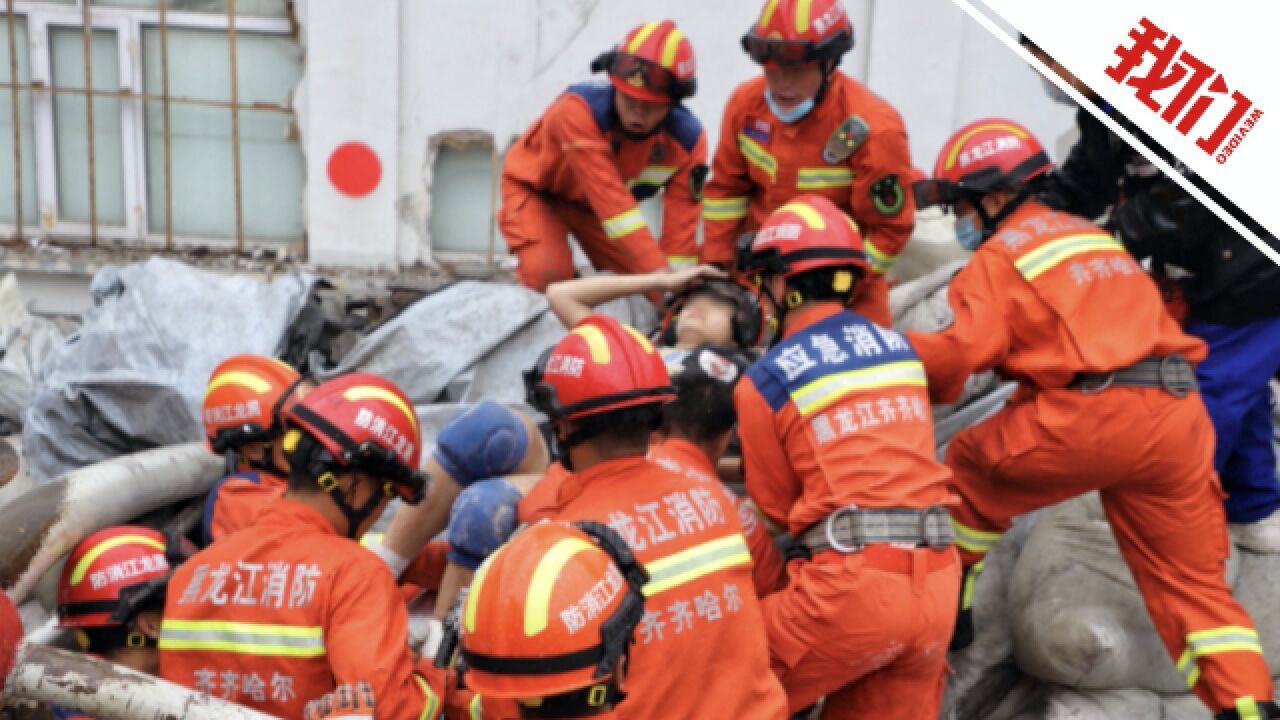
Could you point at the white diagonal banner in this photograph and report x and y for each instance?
(1198, 79)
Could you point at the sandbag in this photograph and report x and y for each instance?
(133, 377)
(1078, 620)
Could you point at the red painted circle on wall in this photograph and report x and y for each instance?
(354, 169)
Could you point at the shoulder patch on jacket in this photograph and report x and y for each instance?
(684, 126)
(698, 175)
(600, 99)
(846, 139)
(888, 195)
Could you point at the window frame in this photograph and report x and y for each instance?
(128, 23)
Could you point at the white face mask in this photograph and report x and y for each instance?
(1057, 94)
(794, 115)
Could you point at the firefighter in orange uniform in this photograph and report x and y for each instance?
(278, 616)
(838, 447)
(603, 386)
(241, 421)
(806, 128)
(598, 150)
(1107, 401)
(696, 429)
(523, 640)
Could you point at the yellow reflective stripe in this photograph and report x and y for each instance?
(767, 15)
(623, 224)
(641, 36)
(811, 217)
(682, 261)
(1049, 255)
(802, 15)
(973, 540)
(241, 378)
(1228, 638)
(365, 392)
(970, 582)
(242, 638)
(731, 208)
(475, 709)
(758, 156)
(823, 177)
(1247, 708)
(671, 48)
(82, 567)
(881, 261)
(597, 345)
(639, 337)
(538, 598)
(431, 703)
(960, 142)
(653, 175)
(695, 562)
(820, 393)
(473, 597)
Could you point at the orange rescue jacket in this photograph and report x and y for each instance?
(768, 571)
(576, 153)
(837, 414)
(700, 650)
(237, 499)
(761, 163)
(279, 616)
(1049, 295)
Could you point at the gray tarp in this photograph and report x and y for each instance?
(469, 342)
(134, 376)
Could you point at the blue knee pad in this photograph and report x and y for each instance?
(483, 442)
(481, 519)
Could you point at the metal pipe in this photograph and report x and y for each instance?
(127, 94)
(17, 122)
(88, 119)
(39, 526)
(168, 155)
(235, 123)
(108, 691)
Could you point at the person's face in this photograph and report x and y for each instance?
(791, 85)
(704, 319)
(366, 487)
(639, 117)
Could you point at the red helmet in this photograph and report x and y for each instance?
(750, 323)
(981, 157)
(244, 395)
(654, 62)
(551, 612)
(806, 234)
(600, 365)
(357, 422)
(109, 576)
(792, 32)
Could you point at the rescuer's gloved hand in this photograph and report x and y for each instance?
(344, 703)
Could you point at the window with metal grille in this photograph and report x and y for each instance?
(157, 123)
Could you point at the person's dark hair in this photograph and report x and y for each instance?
(626, 427)
(703, 409)
(819, 285)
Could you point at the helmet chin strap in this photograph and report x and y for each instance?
(355, 515)
(991, 223)
(268, 462)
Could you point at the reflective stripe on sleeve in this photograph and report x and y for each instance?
(623, 224)
(695, 562)
(242, 638)
(881, 261)
(973, 540)
(731, 208)
(682, 261)
(824, 177)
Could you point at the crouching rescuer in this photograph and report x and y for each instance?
(838, 447)
(1107, 401)
(288, 612)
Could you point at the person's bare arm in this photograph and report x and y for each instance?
(572, 300)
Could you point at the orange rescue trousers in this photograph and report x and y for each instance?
(537, 227)
(867, 630)
(1150, 455)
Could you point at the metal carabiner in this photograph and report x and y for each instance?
(829, 530)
